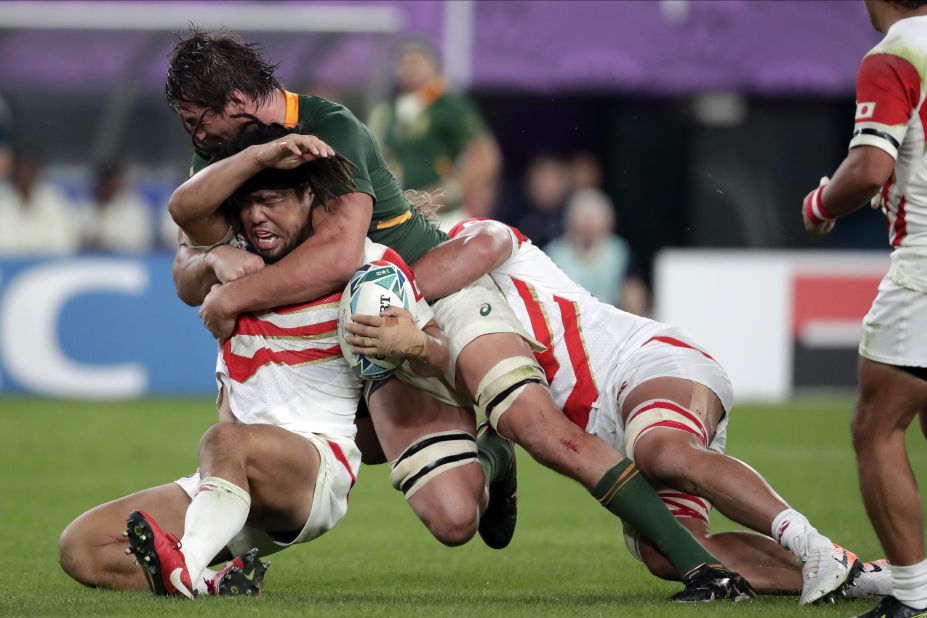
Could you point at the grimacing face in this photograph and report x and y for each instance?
(275, 221)
(214, 129)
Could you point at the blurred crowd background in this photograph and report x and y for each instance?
(605, 131)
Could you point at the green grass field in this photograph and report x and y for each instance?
(567, 558)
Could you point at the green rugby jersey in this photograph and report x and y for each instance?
(394, 223)
(422, 150)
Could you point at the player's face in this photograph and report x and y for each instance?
(413, 69)
(275, 221)
(208, 128)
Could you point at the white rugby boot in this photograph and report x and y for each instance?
(827, 573)
(875, 580)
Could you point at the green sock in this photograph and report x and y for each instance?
(494, 452)
(626, 493)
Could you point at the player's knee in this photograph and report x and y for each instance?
(222, 438)
(453, 525)
(665, 460)
(77, 553)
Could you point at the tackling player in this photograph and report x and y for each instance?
(219, 86)
(644, 388)
(278, 467)
(887, 164)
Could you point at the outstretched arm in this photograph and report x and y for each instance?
(480, 248)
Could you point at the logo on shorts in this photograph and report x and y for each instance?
(485, 308)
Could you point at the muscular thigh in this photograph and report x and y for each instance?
(282, 469)
(889, 397)
(401, 415)
(167, 504)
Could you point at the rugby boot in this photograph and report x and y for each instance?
(827, 573)
(243, 575)
(159, 555)
(890, 607)
(497, 523)
(875, 580)
(713, 582)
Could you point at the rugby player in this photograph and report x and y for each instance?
(647, 390)
(278, 467)
(887, 165)
(219, 86)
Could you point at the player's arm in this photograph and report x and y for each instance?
(394, 333)
(325, 261)
(202, 259)
(887, 90)
(479, 248)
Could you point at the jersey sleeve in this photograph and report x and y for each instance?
(888, 90)
(351, 139)
(514, 234)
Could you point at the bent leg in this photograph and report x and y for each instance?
(450, 503)
(534, 421)
(889, 398)
(679, 459)
(92, 548)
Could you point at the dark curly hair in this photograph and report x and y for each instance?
(325, 178)
(205, 67)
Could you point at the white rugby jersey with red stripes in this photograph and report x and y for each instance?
(590, 344)
(891, 115)
(285, 367)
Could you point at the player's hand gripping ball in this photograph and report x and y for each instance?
(375, 287)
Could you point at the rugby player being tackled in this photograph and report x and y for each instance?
(278, 467)
(649, 391)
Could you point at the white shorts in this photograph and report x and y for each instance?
(340, 461)
(669, 354)
(895, 329)
(478, 309)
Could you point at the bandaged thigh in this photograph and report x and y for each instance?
(430, 456)
(660, 413)
(502, 385)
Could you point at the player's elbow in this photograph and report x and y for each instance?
(177, 206)
(485, 251)
(870, 168)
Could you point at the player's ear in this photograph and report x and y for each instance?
(237, 103)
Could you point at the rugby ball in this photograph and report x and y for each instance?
(376, 286)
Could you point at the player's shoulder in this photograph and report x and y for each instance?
(906, 41)
(315, 110)
(474, 223)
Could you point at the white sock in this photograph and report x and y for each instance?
(199, 583)
(218, 512)
(910, 584)
(794, 532)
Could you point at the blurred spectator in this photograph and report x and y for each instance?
(590, 254)
(538, 209)
(116, 217)
(6, 136)
(585, 171)
(35, 217)
(436, 140)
